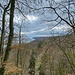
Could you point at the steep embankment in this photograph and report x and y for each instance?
(49, 52)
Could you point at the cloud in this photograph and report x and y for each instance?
(62, 27)
(32, 18)
(46, 32)
(33, 32)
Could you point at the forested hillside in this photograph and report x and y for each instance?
(54, 56)
(37, 37)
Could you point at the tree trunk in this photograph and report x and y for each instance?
(3, 29)
(19, 51)
(10, 37)
(2, 33)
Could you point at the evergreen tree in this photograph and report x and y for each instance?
(41, 72)
(42, 66)
(32, 64)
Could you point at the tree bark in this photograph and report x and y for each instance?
(10, 37)
(3, 29)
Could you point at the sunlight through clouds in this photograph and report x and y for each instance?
(17, 19)
(32, 18)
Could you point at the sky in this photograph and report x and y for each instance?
(35, 26)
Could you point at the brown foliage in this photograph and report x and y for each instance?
(11, 68)
(19, 46)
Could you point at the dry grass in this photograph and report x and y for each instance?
(11, 68)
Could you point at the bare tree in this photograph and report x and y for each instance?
(3, 27)
(10, 38)
(63, 11)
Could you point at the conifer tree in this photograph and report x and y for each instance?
(32, 63)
